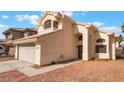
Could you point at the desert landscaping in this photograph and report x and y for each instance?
(95, 71)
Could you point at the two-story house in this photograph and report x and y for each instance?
(61, 38)
(16, 33)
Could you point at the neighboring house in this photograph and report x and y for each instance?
(16, 33)
(119, 49)
(60, 38)
(120, 52)
(2, 47)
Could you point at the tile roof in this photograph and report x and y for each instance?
(20, 30)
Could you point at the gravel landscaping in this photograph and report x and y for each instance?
(91, 71)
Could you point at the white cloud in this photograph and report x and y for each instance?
(97, 23)
(32, 18)
(5, 17)
(68, 13)
(112, 29)
(2, 28)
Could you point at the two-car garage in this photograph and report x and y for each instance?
(26, 53)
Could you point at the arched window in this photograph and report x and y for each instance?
(101, 48)
(100, 40)
(47, 24)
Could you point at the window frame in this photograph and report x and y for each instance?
(100, 40)
(101, 49)
(55, 25)
(47, 24)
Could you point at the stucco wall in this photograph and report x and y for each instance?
(57, 47)
(52, 48)
(79, 29)
(112, 47)
(91, 41)
(70, 40)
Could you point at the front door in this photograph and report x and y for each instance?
(80, 51)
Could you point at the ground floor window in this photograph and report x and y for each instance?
(100, 48)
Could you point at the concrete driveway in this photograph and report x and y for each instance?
(27, 69)
(12, 65)
(9, 70)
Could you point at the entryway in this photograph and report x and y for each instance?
(80, 51)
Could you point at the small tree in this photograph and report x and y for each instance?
(120, 39)
(122, 27)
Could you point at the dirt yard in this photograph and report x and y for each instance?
(91, 71)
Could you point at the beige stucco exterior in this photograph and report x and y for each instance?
(62, 43)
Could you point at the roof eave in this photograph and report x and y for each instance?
(5, 32)
(25, 41)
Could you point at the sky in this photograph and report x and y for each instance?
(109, 21)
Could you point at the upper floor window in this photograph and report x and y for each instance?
(9, 36)
(80, 38)
(100, 40)
(55, 24)
(47, 24)
(30, 34)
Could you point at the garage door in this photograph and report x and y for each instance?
(27, 53)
